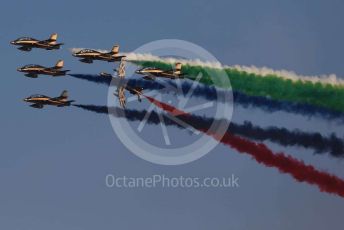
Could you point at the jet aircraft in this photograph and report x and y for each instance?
(150, 73)
(122, 85)
(89, 55)
(132, 90)
(34, 70)
(38, 101)
(104, 74)
(27, 43)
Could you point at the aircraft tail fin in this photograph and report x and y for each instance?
(53, 37)
(64, 94)
(59, 64)
(115, 49)
(178, 68)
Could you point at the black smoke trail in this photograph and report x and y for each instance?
(320, 144)
(211, 93)
(92, 78)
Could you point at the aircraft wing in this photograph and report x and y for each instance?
(43, 44)
(48, 45)
(54, 99)
(149, 76)
(37, 106)
(31, 75)
(174, 76)
(105, 56)
(25, 48)
(168, 74)
(121, 69)
(121, 96)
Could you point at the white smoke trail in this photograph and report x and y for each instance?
(331, 79)
(149, 57)
(170, 60)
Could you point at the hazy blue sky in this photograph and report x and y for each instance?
(54, 161)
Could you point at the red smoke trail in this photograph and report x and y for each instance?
(174, 111)
(262, 154)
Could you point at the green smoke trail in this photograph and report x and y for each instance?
(271, 86)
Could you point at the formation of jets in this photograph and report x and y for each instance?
(86, 56)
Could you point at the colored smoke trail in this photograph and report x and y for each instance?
(210, 93)
(282, 136)
(331, 79)
(271, 86)
(301, 172)
(326, 92)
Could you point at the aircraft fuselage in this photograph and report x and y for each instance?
(151, 74)
(27, 45)
(39, 102)
(89, 57)
(34, 71)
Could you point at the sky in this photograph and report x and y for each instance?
(54, 161)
